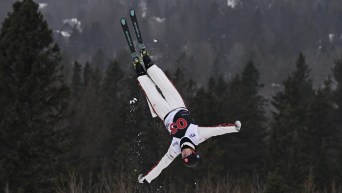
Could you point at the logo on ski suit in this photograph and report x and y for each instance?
(181, 123)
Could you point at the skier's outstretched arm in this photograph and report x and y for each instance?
(207, 132)
(170, 155)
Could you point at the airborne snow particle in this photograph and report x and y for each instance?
(159, 19)
(73, 22)
(143, 7)
(42, 5)
(331, 37)
(65, 34)
(232, 3)
(133, 101)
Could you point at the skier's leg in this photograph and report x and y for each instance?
(170, 93)
(157, 102)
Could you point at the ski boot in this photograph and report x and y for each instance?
(146, 58)
(139, 70)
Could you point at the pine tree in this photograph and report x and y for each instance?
(86, 122)
(288, 127)
(87, 71)
(208, 101)
(89, 120)
(33, 102)
(240, 100)
(323, 138)
(252, 114)
(337, 95)
(113, 95)
(99, 58)
(206, 108)
(76, 81)
(186, 88)
(338, 92)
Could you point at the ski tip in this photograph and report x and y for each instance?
(123, 21)
(132, 12)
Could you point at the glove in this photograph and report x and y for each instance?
(141, 179)
(237, 125)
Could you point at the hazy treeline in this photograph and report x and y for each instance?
(271, 33)
(88, 131)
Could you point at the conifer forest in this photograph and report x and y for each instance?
(73, 118)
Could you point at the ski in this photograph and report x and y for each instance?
(137, 31)
(134, 53)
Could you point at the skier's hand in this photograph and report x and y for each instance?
(237, 125)
(141, 179)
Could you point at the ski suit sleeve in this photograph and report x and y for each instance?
(170, 155)
(205, 133)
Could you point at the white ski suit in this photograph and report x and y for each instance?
(171, 109)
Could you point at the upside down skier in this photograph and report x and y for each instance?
(186, 134)
(170, 108)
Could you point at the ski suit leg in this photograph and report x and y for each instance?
(158, 103)
(170, 93)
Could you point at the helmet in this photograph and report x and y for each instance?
(191, 160)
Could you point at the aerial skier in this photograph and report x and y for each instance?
(170, 108)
